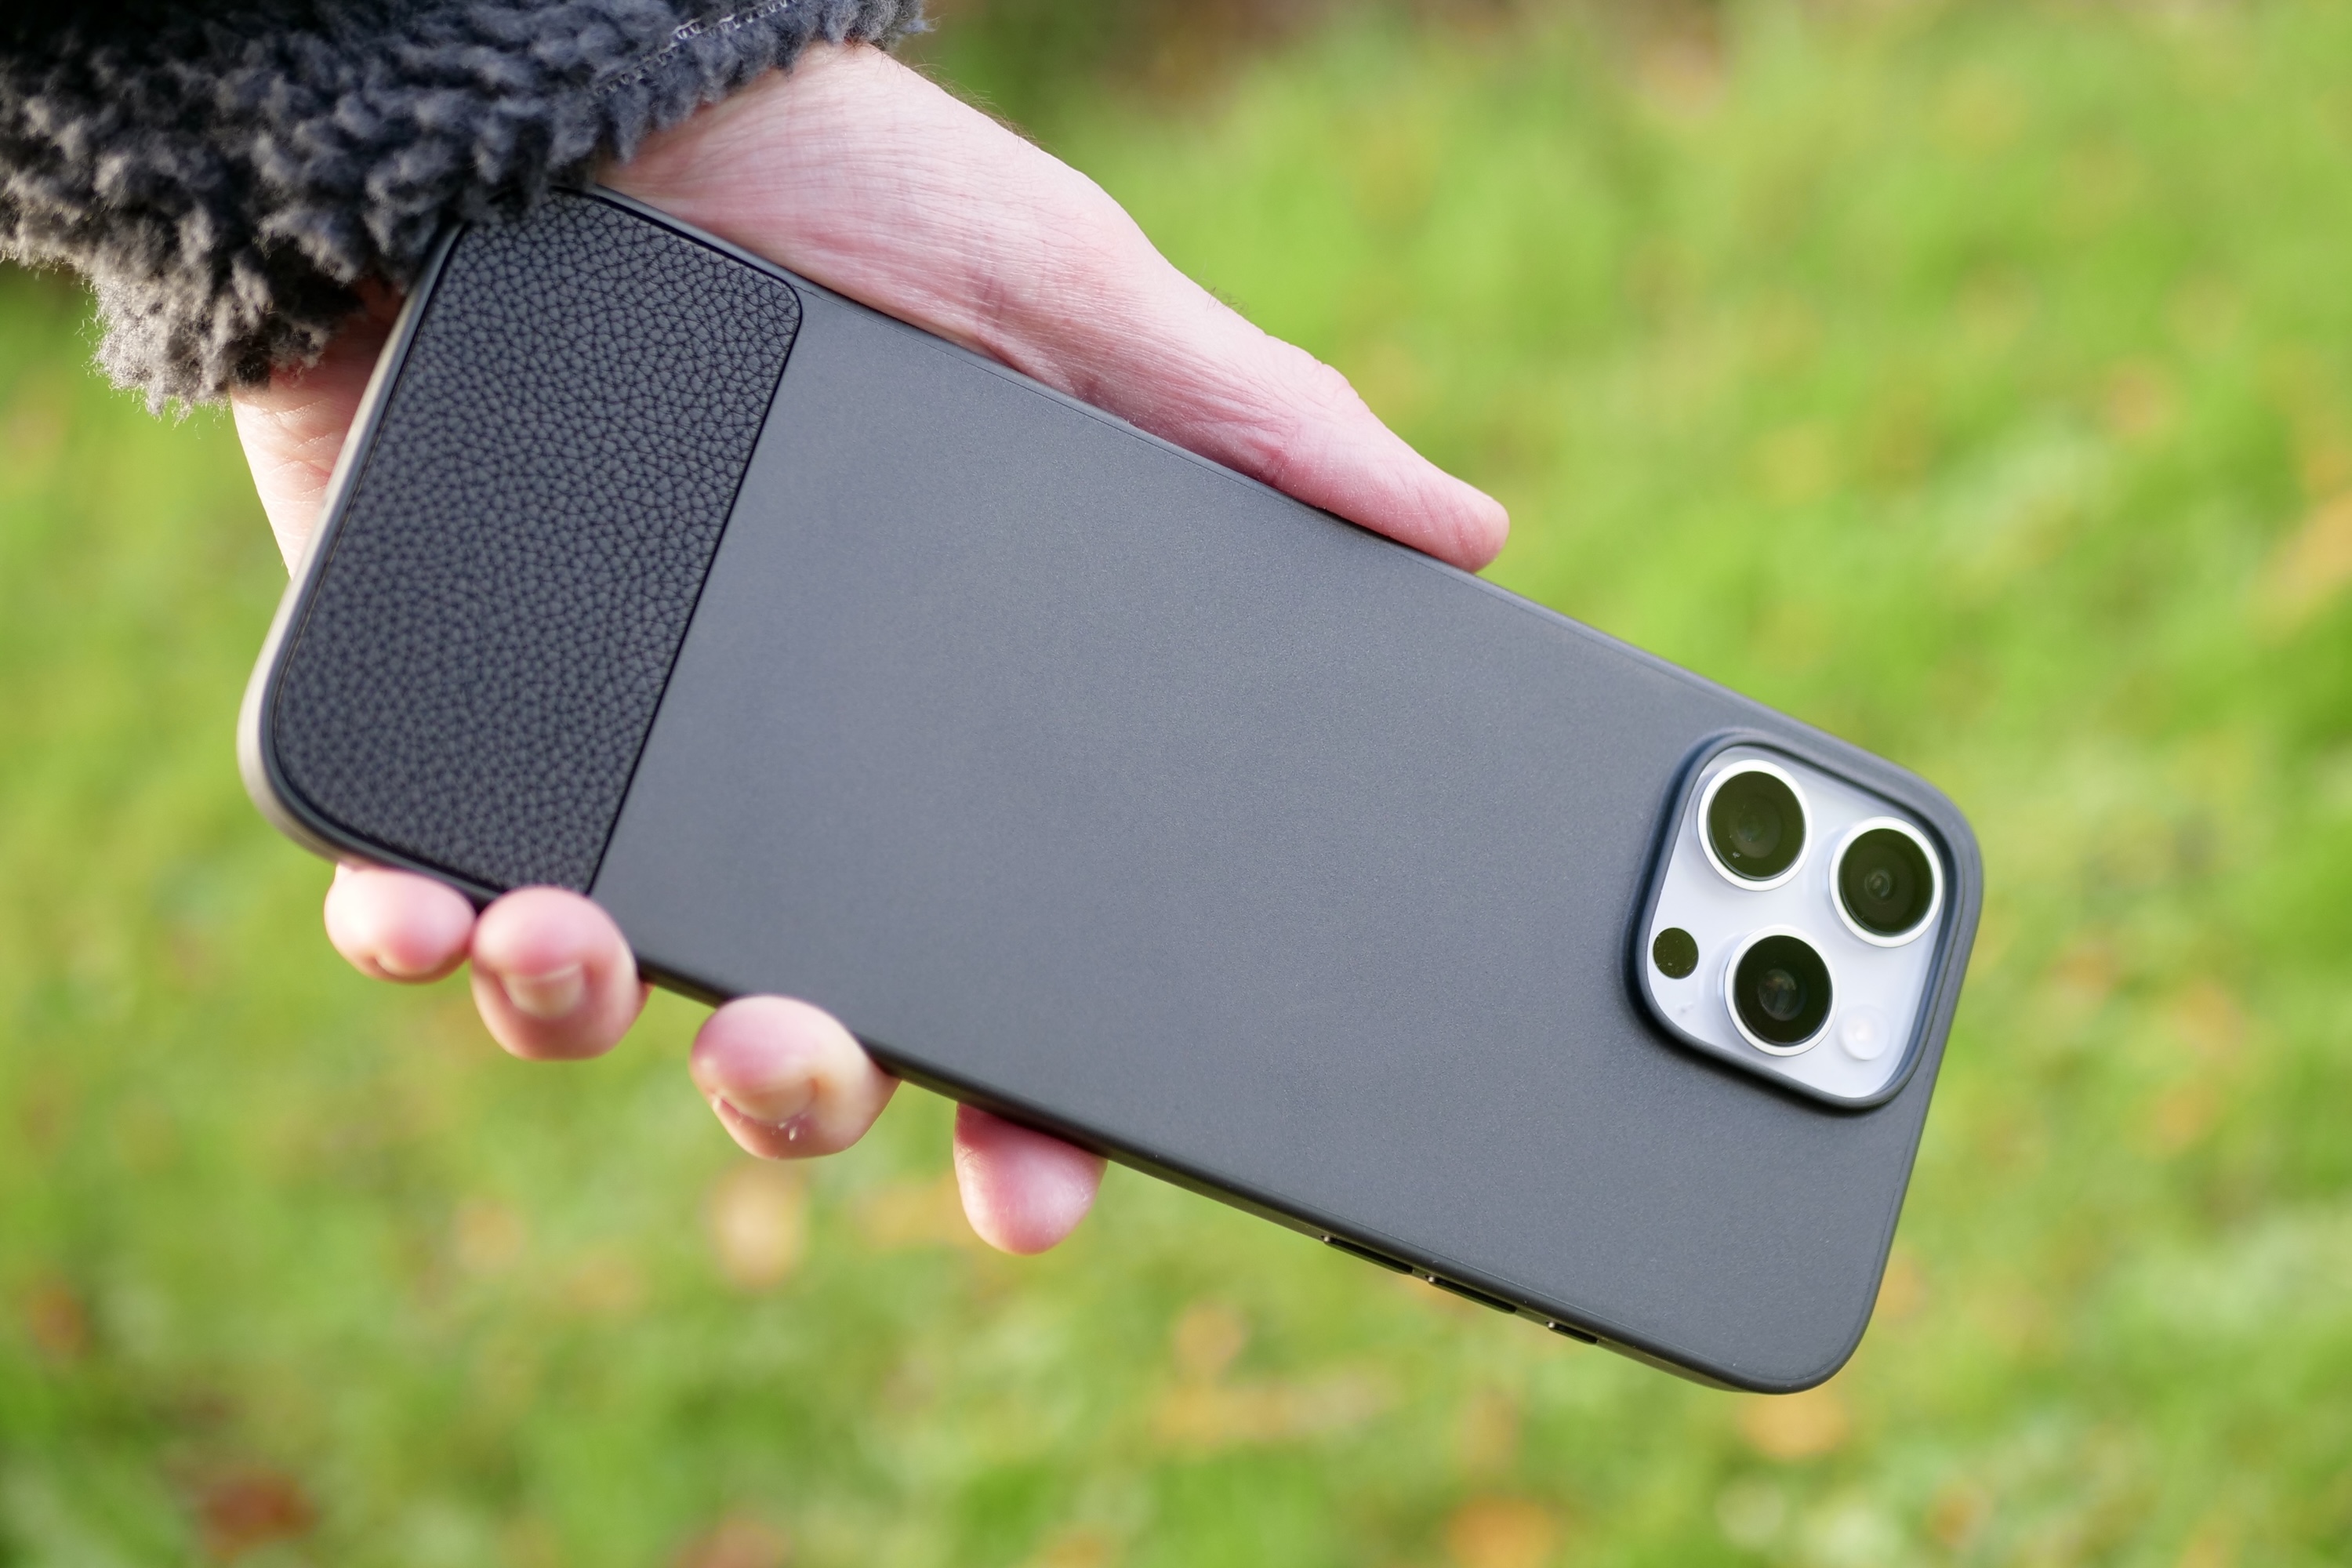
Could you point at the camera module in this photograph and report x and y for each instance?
(1888, 883)
(1779, 991)
(1754, 823)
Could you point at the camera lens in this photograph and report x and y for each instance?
(1780, 990)
(1885, 883)
(1755, 824)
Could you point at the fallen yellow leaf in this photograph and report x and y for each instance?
(737, 1542)
(489, 1235)
(1207, 1417)
(1207, 1337)
(1501, 1532)
(903, 1215)
(759, 1224)
(1796, 1425)
(2311, 566)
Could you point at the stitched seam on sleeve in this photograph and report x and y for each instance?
(685, 34)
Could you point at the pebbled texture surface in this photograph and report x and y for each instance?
(483, 651)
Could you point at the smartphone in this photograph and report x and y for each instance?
(1092, 782)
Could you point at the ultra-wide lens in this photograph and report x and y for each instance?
(1756, 826)
(1781, 990)
(1885, 882)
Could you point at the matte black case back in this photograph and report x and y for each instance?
(1082, 778)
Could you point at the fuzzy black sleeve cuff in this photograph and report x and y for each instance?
(224, 173)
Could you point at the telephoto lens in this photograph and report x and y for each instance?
(1886, 885)
(1781, 993)
(1755, 824)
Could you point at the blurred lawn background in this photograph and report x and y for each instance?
(1972, 379)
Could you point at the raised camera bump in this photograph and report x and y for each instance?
(1885, 881)
(1848, 1012)
(1779, 990)
(1753, 823)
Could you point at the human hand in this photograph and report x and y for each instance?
(863, 176)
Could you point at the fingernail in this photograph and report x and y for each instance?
(550, 997)
(771, 1104)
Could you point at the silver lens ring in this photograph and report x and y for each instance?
(1731, 993)
(1934, 881)
(1805, 816)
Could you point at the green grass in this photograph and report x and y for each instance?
(1974, 381)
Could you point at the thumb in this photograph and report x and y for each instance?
(293, 428)
(867, 177)
(1170, 357)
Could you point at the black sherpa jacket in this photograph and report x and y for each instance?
(223, 172)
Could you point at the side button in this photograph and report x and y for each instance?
(1367, 1254)
(1573, 1332)
(1467, 1294)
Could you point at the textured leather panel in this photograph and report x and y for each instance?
(485, 645)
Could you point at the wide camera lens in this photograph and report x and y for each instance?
(1755, 826)
(1885, 882)
(1781, 990)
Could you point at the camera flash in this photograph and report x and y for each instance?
(1862, 1032)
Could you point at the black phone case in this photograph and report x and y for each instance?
(1084, 779)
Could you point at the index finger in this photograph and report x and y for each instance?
(868, 178)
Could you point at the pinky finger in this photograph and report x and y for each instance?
(1022, 1191)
